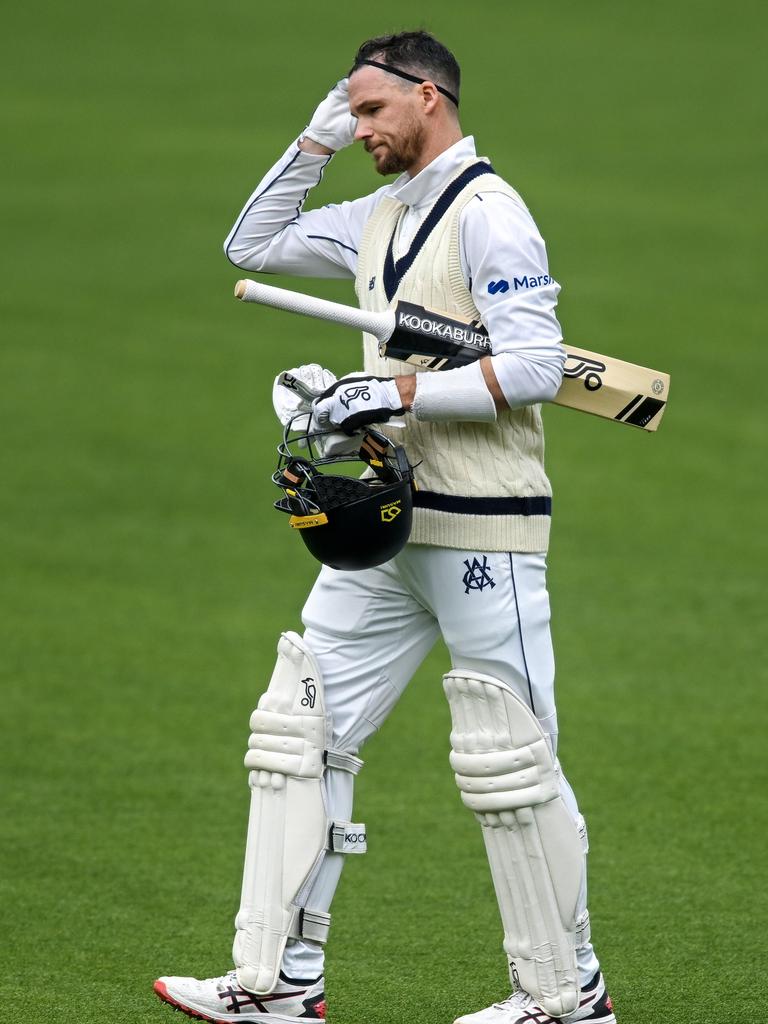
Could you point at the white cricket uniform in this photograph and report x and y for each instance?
(370, 630)
(503, 256)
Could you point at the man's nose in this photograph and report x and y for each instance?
(362, 131)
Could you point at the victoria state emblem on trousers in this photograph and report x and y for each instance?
(477, 576)
(390, 511)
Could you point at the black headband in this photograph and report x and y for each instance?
(408, 77)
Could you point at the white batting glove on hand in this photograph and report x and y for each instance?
(293, 407)
(355, 401)
(332, 125)
(289, 402)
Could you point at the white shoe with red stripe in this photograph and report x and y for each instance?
(222, 1000)
(595, 1007)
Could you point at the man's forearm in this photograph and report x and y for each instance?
(272, 206)
(259, 240)
(460, 394)
(492, 383)
(407, 386)
(308, 146)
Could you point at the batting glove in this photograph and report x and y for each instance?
(294, 408)
(332, 125)
(356, 401)
(288, 402)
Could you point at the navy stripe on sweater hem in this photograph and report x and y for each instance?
(534, 506)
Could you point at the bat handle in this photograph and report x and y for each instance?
(380, 325)
(293, 383)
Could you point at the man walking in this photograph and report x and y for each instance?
(448, 234)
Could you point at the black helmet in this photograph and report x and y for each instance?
(346, 522)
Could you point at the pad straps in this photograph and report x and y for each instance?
(340, 759)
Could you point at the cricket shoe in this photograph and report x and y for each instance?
(595, 1007)
(222, 1000)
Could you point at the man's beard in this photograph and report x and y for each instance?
(399, 156)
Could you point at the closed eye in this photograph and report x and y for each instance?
(367, 108)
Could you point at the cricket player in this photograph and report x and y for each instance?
(450, 234)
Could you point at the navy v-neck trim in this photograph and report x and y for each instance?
(395, 270)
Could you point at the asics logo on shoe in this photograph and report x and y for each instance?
(239, 998)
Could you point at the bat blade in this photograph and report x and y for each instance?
(593, 383)
(613, 389)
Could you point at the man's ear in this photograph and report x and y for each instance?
(429, 96)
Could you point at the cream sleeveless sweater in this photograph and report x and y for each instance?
(481, 486)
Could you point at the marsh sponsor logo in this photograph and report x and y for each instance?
(531, 281)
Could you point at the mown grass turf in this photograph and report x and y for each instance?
(144, 577)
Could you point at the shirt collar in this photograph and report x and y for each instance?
(427, 185)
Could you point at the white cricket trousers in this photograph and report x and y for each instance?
(370, 631)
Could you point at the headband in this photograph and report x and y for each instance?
(408, 77)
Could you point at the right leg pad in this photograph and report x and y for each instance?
(288, 828)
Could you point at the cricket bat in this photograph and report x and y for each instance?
(593, 383)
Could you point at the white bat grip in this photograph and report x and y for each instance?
(381, 325)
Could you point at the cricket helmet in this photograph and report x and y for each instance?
(346, 522)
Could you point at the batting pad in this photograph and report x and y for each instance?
(506, 773)
(288, 826)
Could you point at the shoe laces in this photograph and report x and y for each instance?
(228, 979)
(517, 1001)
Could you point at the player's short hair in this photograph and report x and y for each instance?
(417, 52)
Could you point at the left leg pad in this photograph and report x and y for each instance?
(506, 773)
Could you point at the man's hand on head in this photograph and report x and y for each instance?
(332, 126)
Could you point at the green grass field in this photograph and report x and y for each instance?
(144, 577)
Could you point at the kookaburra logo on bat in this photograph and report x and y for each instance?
(449, 330)
(590, 369)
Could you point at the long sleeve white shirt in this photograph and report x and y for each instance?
(503, 256)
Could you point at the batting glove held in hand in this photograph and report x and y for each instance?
(288, 402)
(354, 402)
(332, 125)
